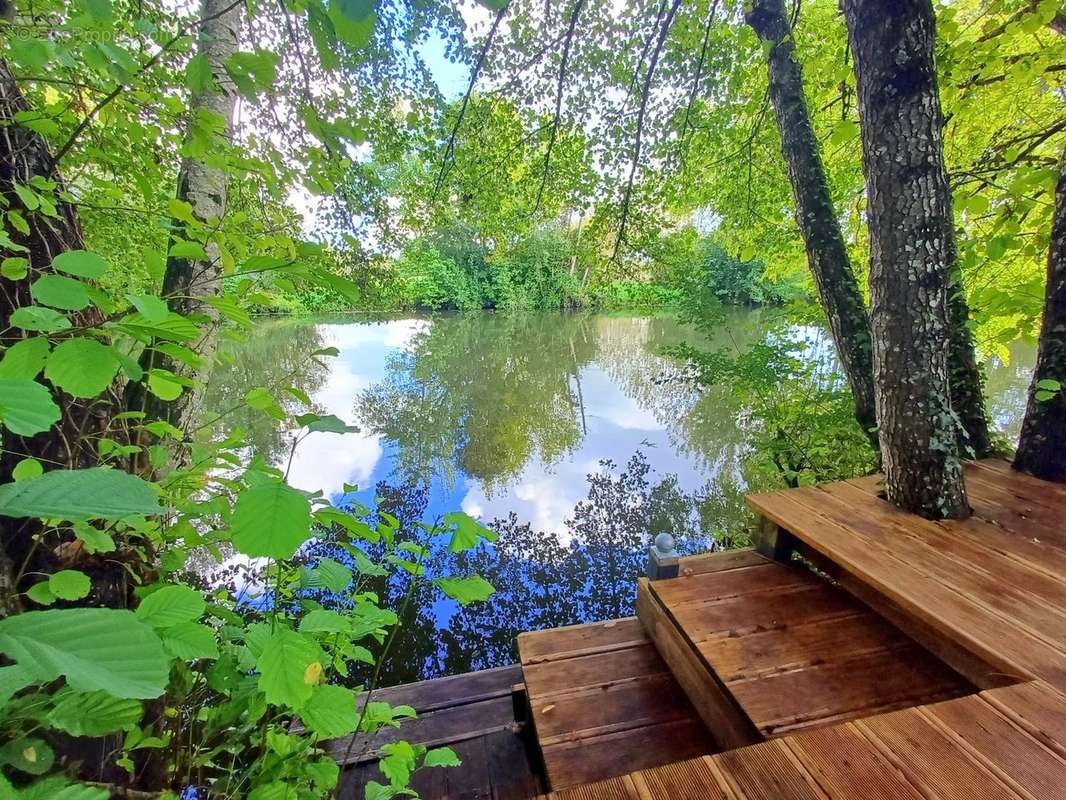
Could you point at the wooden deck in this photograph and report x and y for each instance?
(765, 648)
(474, 715)
(603, 702)
(1003, 744)
(988, 593)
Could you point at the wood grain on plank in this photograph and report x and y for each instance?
(594, 669)
(768, 771)
(720, 561)
(574, 640)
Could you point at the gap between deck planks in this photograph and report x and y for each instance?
(1003, 744)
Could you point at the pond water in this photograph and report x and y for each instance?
(571, 429)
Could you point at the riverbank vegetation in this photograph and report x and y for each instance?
(891, 171)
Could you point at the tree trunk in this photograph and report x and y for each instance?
(912, 253)
(815, 214)
(188, 284)
(1042, 447)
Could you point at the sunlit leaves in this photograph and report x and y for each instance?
(152, 308)
(284, 668)
(39, 318)
(26, 407)
(25, 358)
(441, 757)
(59, 291)
(69, 584)
(467, 532)
(94, 648)
(252, 72)
(465, 590)
(171, 605)
(81, 263)
(271, 520)
(79, 494)
(189, 640)
(82, 367)
(330, 712)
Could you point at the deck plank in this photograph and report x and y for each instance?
(768, 771)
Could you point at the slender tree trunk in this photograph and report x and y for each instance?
(188, 283)
(1042, 447)
(815, 214)
(912, 253)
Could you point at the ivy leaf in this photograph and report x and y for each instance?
(69, 584)
(171, 605)
(189, 641)
(27, 407)
(81, 263)
(39, 318)
(468, 532)
(270, 521)
(330, 712)
(59, 291)
(465, 590)
(82, 367)
(283, 667)
(25, 358)
(93, 713)
(79, 494)
(93, 648)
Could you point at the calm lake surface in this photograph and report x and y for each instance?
(572, 430)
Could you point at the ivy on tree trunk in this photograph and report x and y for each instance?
(912, 253)
(816, 215)
(1042, 447)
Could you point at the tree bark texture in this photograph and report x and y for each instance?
(911, 253)
(188, 284)
(816, 216)
(1042, 446)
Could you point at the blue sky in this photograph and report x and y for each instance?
(451, 77)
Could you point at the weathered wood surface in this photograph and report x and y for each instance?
(603, 702)
(1001, 744)
(765, 648)
(474, 715)
(993, 585)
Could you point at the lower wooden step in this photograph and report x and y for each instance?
(764, 648)
(603, 703)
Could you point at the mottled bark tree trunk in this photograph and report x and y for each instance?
(815, 214)
(911, 253)
(1042, 447)
(188, 284)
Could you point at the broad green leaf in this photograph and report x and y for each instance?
(260, 398)
(41, 594)
(93, 539)
(81, 263)
(27, 469)
(321, 620)
(33, 756)
(15, 268)
(330, 712)
(334, 576)
(326, 423)
(93, 648)
(69, 584)
(26, 407)
(93, 713)
(399, 762)
(59, 291)
(152, 308)
(82, 367)
(270, 521)
(190, 640)
(283, 668)
(79, 494)
(468, 532)
(1047, 384)
(13, 679)
(57, 787)
(190, 250)
(171, 605)
(162, 385)
(441, 757)
(25, 359)
(39, 318)
(465, 590)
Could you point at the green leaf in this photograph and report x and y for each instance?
(14, 268)
(162, 385)
(321, 620)
(189, 250)
(59, 291)
(41, 594)
(94, 539)
(170, 606)
(26, 407)
(465, 590)
(57, 787)
(270, 521)
(1047, 384)
(27, 469)
(93, 713)
(93, 648)
(190, 640)
(334, 576)
(25, 358)
(152, 308)
(32, 756)
(82, 367)
(69, 584)
(252, 72)
(441, 757)
(283, 668)
(39, 318)
(330, 712)
(468, 532)
(326, 423)
(198, 77)
(81, 263)
(13, 679)
(79, 494)
(398, 764)
(261, 399)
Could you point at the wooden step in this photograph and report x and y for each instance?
(764, 648)
(603, 702)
